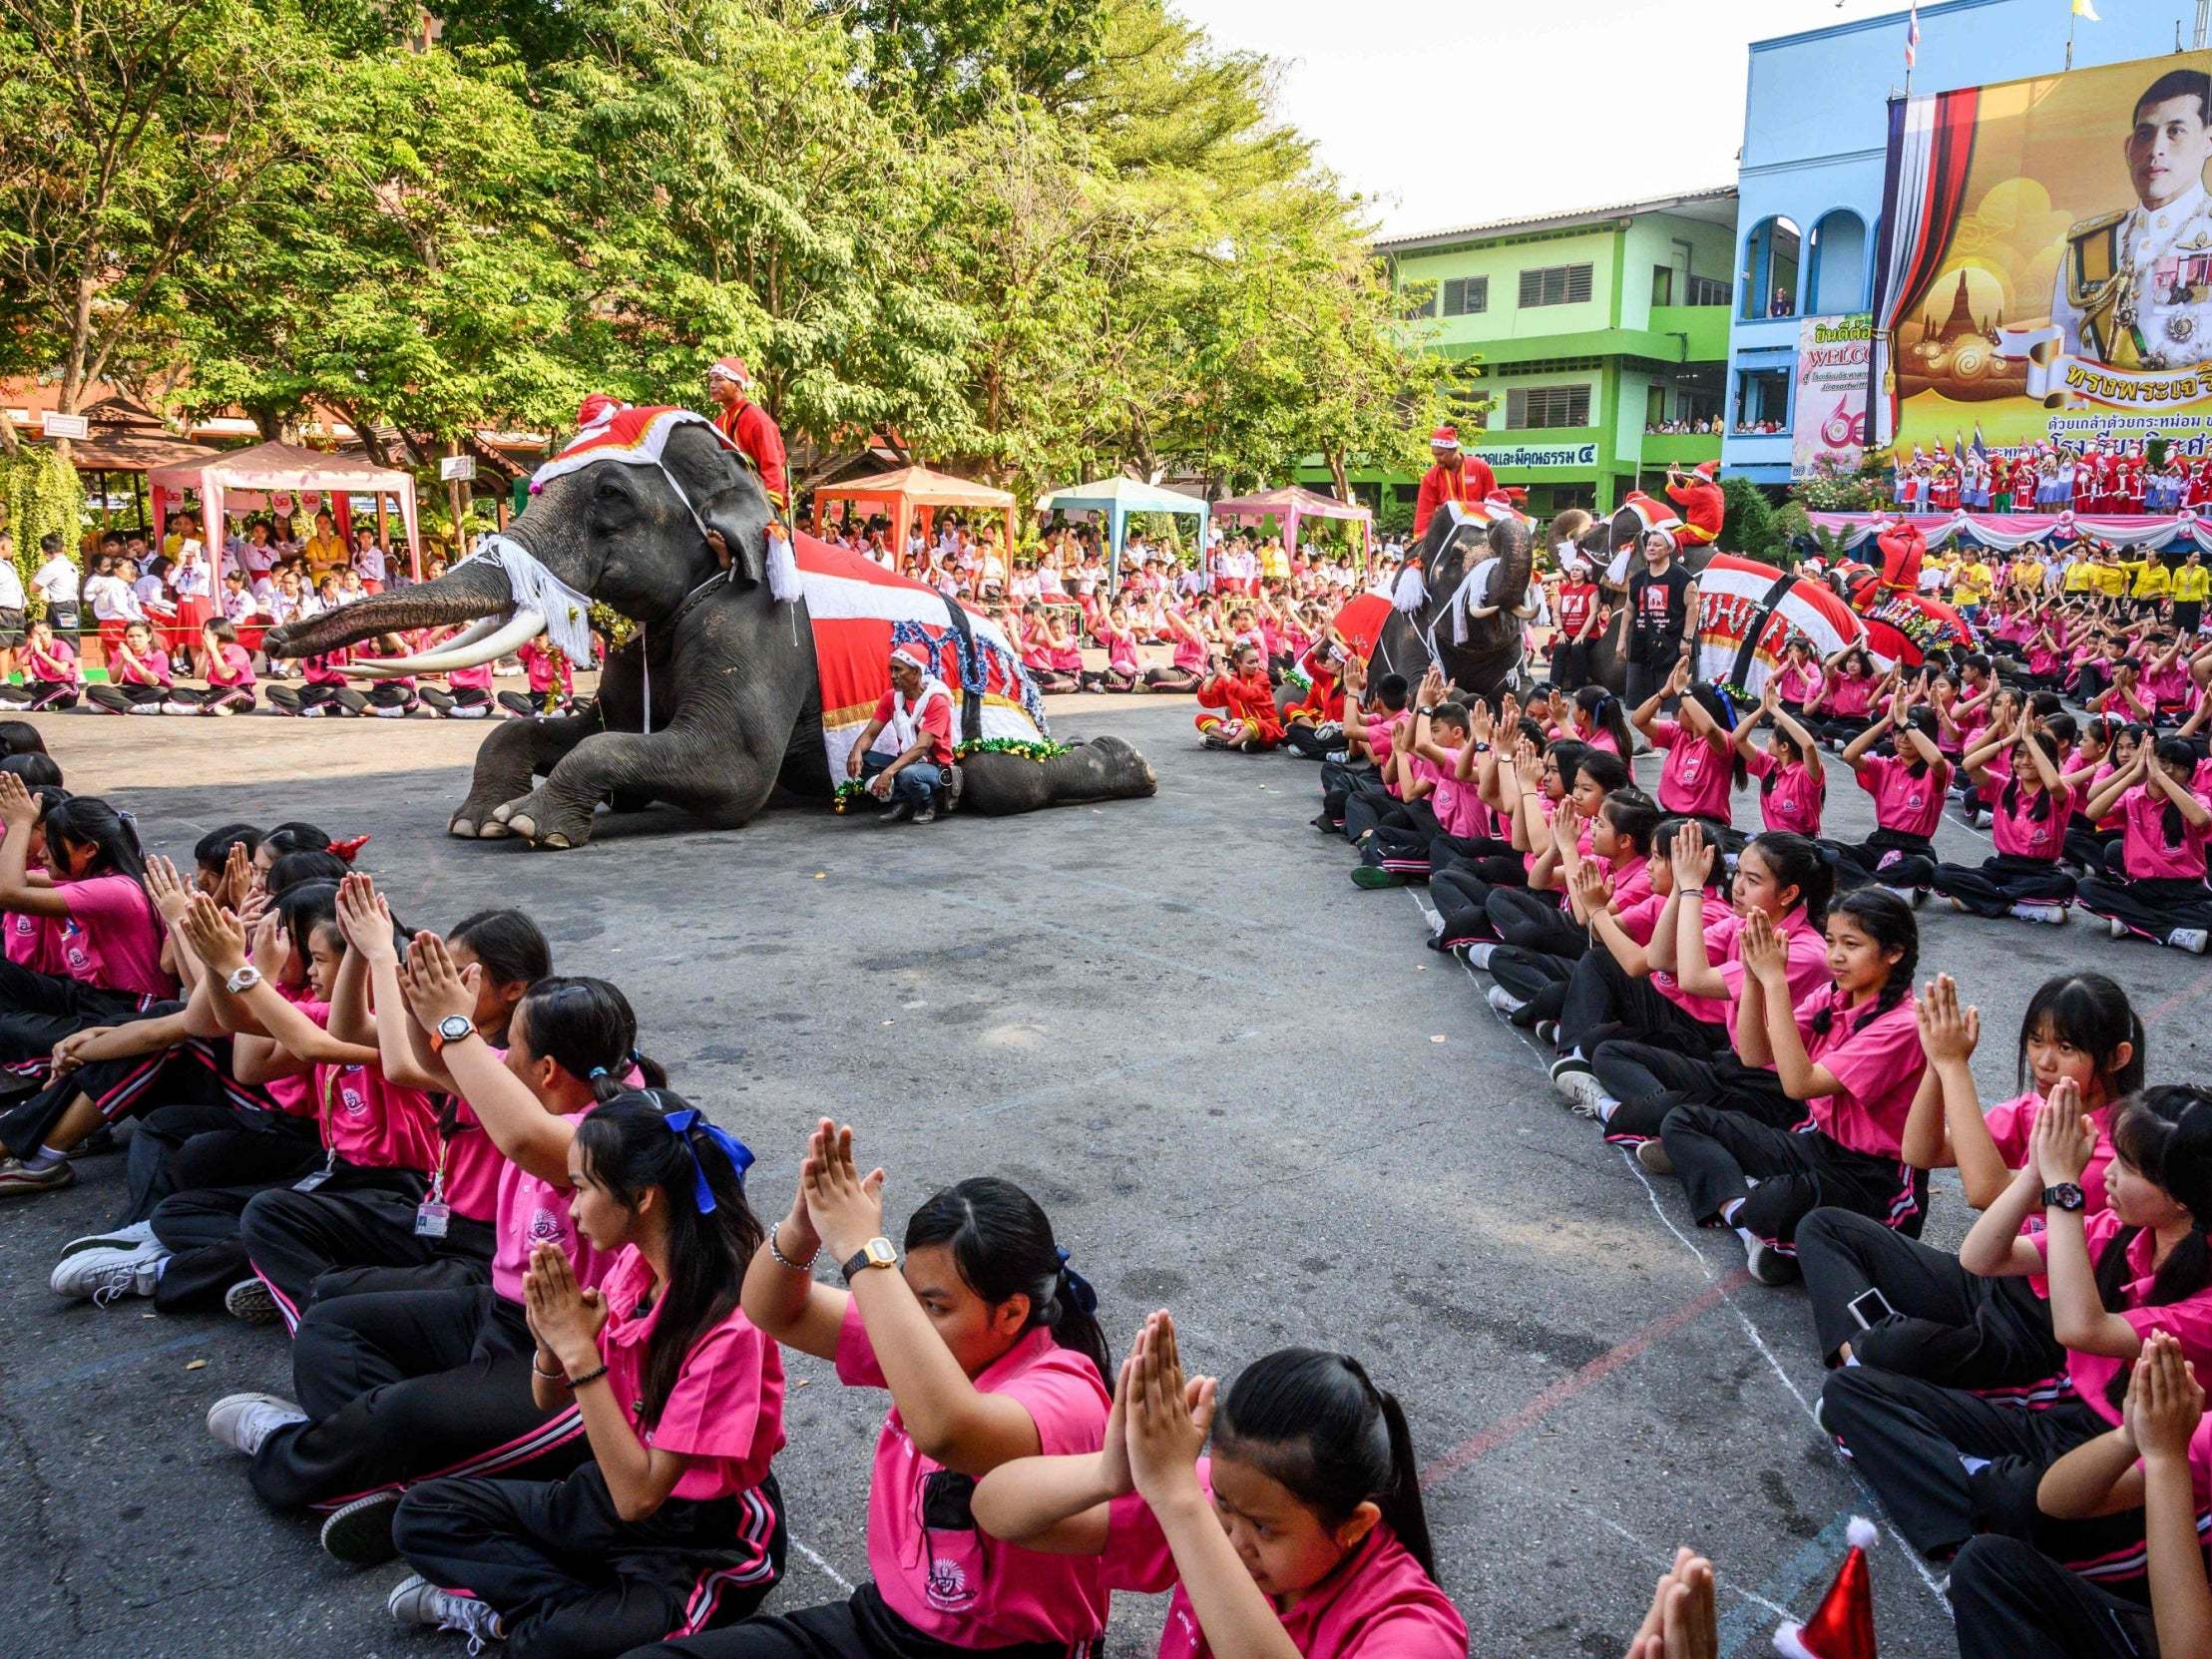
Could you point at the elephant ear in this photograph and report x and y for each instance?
(728, 495)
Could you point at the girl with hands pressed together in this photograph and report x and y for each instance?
(1909, 790)
(1850, 1054)
(2150, 1476)
(1933, 1318)
(987, 1344)
(1303, 1534)
(2139, 1264)
(1702, 764)
(1792, 782)
(2164, 828)
(2024, 877)
(676, 1524)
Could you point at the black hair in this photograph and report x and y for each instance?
(294, 868)
(1392, 692)
(1669, 830)
(2165, 1135)
(508, 945)
(1920, 718)
(1797, 861)
(2174, 751)
(1317, 1423)
(1603, 709)
(1453, 712)
(33, 768)
(2103, 729)
(2177, 83)
(1889, 920)
(2044, 705)
(1604, 769)
(304, 907)
(1857, 654)
(1003, 1245)
(2090, 1013)
(2063, 729)
(588, 1027)
(1567, 754)
(2012, 796)
(1633, 815)
(1721, 713)
(21, 737)
(628, 1148)
(224, 631)
(212, 850)
(296, 837)
(91, 822)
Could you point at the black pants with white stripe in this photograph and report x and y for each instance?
(38, 1009)
(189, 1144)
(203, 1226)
(1605, 1003)
(2009, 1598)
(309, 1244)
(571, 1579)
(2153, 907)
(1946, 1325)
(864, 1627)
(403, 1386)
(1651, 1079)
(1798, 1171)
(1906, 1437)
(1992, 887)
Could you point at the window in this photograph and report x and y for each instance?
(1662, 284)
(1555, 285)
(1418, 301)
(1706, 291)
(1546, 406)
(1762, 401)
(1466, 295)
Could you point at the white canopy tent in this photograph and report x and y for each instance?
(1118, 498)
(247, 480)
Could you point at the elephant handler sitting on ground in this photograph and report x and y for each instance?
(907, 749)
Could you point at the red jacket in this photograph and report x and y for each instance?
(1703, 507)
(1469, 485)
(747, 426)
(1250, 699)
(1903, 547)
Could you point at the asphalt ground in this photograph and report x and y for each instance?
(1239, 1084)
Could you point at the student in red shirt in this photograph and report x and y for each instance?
(676, 1524)
(1247, 717)
(914, 720)
(1306, 1526)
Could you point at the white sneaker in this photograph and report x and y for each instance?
(1566, 1066)
(1584, 1094)
(115, 1238)
(2117, 927)
(421, 1605)
(1477, 955)
(1905, 893)
(1338, 757)
(2192, 940)
(1502, 1003)
(1767, 1264)
(99, 1276)
(243, 1422)
(2030, 911)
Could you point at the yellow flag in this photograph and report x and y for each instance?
(2083, 8)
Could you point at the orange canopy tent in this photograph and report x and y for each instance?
(910, 492)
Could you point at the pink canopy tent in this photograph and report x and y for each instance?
(1294, 502)
(247, 480)
(910, 493)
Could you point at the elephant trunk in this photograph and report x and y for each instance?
(1512, 542)
(472, 589)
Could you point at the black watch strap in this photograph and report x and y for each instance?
(2063, 1195)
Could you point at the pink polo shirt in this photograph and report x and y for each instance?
(1721, 925)
(236, 669)
(1641, 919)
(529, 1210)
(1902, 802)
(471, 1160)
(295, 1096)
(1851, 696)
(2013, 1127)
(1879, 1067)
(2020, 834)
(32, 940)
(1793, 803)
(724, 1415)
(112, 937)
(368, 1120)
(1695, 778)
(1377, 1603)
(2143, 823)
(1800, 685)
(2188, 1321)
(1805, 954)
(931, 1563)
(1459, 806)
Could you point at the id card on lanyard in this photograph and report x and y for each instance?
(434, 1215)
(315, 1177)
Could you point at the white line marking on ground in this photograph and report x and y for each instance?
(835, 1577)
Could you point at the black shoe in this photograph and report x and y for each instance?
(361, 1534)
(898, 812)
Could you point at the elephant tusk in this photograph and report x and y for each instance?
(463, 653)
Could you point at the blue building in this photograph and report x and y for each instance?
(1810, 177)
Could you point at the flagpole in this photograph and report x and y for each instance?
(2071, 14)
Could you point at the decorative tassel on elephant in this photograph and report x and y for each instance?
(720, 692)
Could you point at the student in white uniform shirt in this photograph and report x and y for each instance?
(56, 583)
(368, 560)
(11, 607)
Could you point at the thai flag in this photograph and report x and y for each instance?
(1981, 450)
(1912, 37)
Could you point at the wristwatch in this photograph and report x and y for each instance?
(242, 979)
(877, 1252)
(452, 1028)
(2065, 1196)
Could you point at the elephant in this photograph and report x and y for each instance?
(725, 668)
(1604, 541)
(1481, 654)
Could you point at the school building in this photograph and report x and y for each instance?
(1809, 184)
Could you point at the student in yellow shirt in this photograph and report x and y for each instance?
(326, 553)
(2081, 576)
(1970, 584)
(2191, 583)
(2151, 584)
(2111, 575)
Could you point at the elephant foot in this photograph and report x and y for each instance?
(493, 830)
(544, 822)
(462, 828)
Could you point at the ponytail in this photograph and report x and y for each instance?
(1890, 923)
(1002, 1243)
(588, 1028)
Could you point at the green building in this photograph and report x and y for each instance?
(1602, 339)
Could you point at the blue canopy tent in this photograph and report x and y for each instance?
(1118, 498)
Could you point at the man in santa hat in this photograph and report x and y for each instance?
(1697, 494)
(1465, 479)
(1903, 549)
(747, 425)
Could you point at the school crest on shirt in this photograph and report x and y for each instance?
(949, 1587)
(544, 1227)
(352, 1096)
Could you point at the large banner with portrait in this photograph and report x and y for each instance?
(2045, 272)
(1829, 436)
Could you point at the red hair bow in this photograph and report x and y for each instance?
(346, 849)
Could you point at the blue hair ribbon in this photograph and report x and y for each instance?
(1078, 1288)
(681, 1124)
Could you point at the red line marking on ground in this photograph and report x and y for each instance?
(2189, 993)
(1567, 1387)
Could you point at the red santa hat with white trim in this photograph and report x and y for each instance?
(1842, 1627)
(1710, 471)
(1445, 437)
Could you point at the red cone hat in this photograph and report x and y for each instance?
(1843, 1626)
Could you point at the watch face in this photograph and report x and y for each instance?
(455, 1027)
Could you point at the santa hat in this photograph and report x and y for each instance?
(730, 368)
(597, 409)
(1843, 1625)
(1707, 470)
(911, 656)
(1445, 437)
